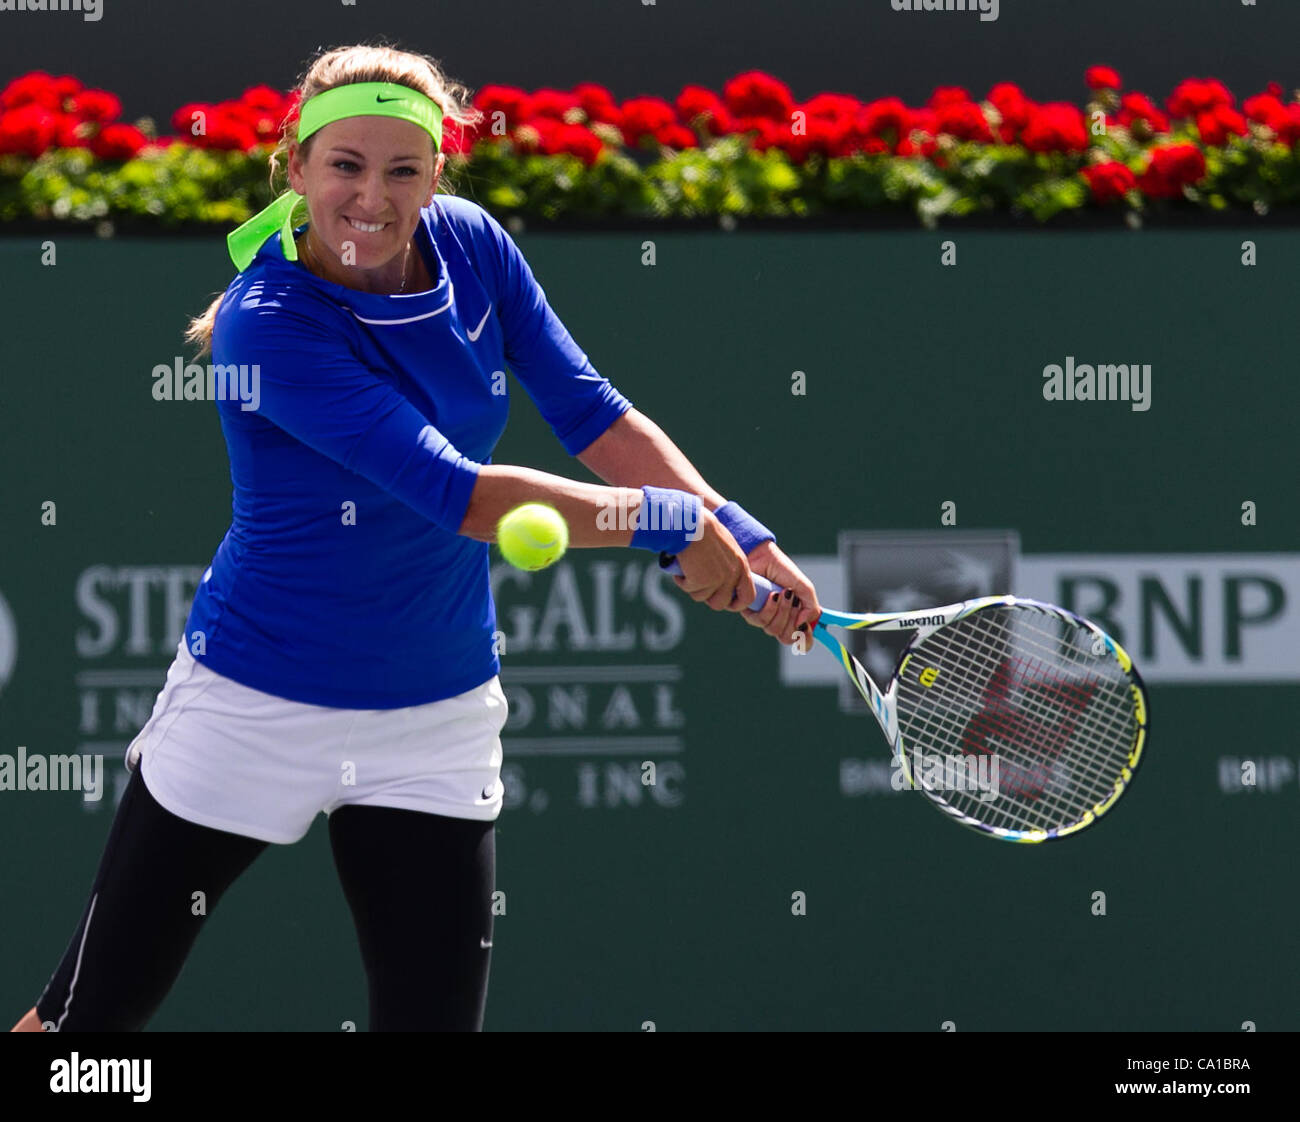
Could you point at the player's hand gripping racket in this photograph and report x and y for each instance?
(1052, 701)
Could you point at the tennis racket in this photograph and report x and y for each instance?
(1017, 718)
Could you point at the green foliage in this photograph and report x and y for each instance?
(728, 177)
(182, 184)
(508, 182)
(168, 185)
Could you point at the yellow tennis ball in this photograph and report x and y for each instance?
(533, 536)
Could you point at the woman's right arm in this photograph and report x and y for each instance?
(590, 510)
(605, 516)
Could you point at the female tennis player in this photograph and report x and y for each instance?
(338, 656)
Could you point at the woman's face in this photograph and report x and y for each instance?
(365, 180)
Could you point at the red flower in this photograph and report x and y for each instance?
(229, 125)
(597, 103)
(27, 130)
(1013, 106)
(1290, 134)
(1109, 181)
(96, 105)
(548, 102)
(264, 98)
(1267, 109)
(831, 124)
(66, 86)
(1137, 108)
(509, 100)
(552, 137)
(265, 123)
(676, 136)
(742, 125)
(948, 95)
(117, 142)
(188, 118)
(798, 142)
(457, 139)
(576, 140)
(888, 120)
(1217, 125)
(924, 120)
(1196, 96)
(964, 120)
(832, 107)
(1055, 127)
(1284, 120)
(36, 88)
(226, 127)
(72, 133)
(583, 143)
(1102, 78)
(769, 134)
(702, 108)
(755, 94)
(646, 116)
(1172, 167)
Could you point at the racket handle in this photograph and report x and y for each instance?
(763, 588)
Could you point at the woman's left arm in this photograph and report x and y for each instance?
(636, 452)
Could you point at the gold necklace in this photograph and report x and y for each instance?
(406, 261)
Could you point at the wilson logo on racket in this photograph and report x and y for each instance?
(929, 676)
(1021, 708)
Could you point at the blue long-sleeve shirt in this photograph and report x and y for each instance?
(342, 580)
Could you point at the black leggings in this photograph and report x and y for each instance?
(419, 886)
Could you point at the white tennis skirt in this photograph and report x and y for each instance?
(227, 756)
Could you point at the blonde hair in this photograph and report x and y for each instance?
(343, 66)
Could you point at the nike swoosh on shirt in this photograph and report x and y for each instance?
(473, 335)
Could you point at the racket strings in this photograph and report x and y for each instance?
(1042, 683)
(1028, 738)
(1023, 685)
(1020, 772)
(1028, 793)
(989, 704)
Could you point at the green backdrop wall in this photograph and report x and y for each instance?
(672, 905)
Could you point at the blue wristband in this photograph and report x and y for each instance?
(667, 521)
(748, 531)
